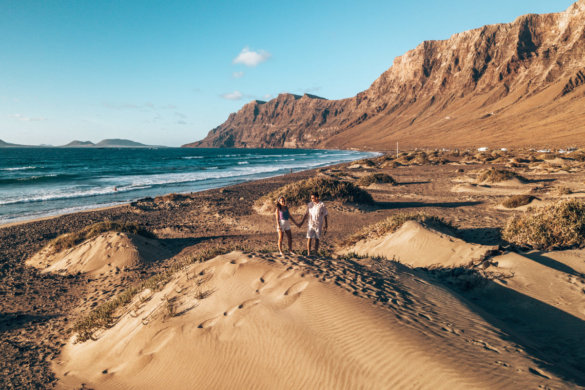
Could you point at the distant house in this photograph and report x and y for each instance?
(483, 149)
(504, 149)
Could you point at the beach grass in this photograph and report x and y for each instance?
(329, 189)
(493, 175)
(376, 178)
(517, 201)
(103, 316)
(557, 226)
(69, 240)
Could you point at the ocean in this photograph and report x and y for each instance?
(39, 182)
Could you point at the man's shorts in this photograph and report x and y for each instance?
(313, 232)
(284, 224)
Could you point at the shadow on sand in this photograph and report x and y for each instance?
(407, 205)
(551, 263)
(554, 338)
(10, 321)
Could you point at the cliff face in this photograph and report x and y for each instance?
(519, 83)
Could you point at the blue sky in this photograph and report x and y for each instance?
(166, 72)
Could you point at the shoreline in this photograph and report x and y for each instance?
(127, 203)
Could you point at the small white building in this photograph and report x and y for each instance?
(483, 149)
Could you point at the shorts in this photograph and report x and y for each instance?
(313, 232)
(284, 224)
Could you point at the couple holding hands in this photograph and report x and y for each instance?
(316, 215)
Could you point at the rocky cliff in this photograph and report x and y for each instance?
(520, 83)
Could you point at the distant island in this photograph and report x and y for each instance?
(106, 143)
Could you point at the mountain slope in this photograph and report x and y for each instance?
(519, 83)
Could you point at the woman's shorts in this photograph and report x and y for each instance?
(284, 224)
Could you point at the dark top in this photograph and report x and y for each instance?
(283, 213)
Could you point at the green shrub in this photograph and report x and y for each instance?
(493, 175)
(517, 201)
(299, 193)
(560, 225)
(69, 240)
(394, 222)
(376, 178)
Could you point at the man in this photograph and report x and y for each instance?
(317, 226)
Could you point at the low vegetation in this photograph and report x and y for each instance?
(557, 226)
(104, 316)
(493, 175)
(299, 193)
(517, 201)
(562, 190)
(394, 222)
(69, 240)
(376, 178)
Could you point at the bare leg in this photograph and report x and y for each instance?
(289, 236)
(308, 247)
(317, 246)
(280, 234)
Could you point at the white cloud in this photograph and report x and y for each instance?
(268, 96)
(251, 58)
(23, 118)
(236, 95)
(237, 75)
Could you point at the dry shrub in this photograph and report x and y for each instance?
(299, 192)
(367, 163)
(69, 240)
(546, 156)
(376, 178)
(421, 158)
(578, 155)
(562, 190)
(517, 201)
(557, 226)
(493, 175)
(394, 222)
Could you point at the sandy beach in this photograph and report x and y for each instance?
(418, 307)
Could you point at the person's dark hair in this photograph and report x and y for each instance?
(315, 194)
(278, 205)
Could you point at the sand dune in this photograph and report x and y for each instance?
(105, 253)
(417, 246)
(242, 321)
(497, 189)
(555, 278)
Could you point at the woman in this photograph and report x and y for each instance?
(282, 223)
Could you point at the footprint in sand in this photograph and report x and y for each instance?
(207, 271)
(208, 323)
(287, 274)
(296, 288)
(268, 276)
(240, 260)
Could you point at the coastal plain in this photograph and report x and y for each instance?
(419, 307)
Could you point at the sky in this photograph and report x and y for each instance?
(167, 72)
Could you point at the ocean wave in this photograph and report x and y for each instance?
(191, 157)
(107, 187)
(37, 179)
(18, 168)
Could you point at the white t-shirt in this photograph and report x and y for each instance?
(316, 211)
